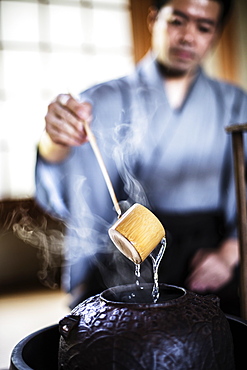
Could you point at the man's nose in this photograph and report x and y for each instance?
(188, 34)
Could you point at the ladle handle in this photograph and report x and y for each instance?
(101, 163)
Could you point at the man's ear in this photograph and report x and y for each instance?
(151, 18)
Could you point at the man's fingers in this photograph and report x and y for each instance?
(62, 99)
(82, 110)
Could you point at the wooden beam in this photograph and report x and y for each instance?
(141, 35)
(240, 184)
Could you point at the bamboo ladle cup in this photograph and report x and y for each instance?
(138, 231)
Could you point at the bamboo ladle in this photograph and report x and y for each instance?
(138, 231)
(101, 163)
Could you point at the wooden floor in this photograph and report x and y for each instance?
(26, 312)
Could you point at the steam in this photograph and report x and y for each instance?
(36, 232)
(86, 235)
(126, 156)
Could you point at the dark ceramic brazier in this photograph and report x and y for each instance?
(122, 329)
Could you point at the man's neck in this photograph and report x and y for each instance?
(177, 85)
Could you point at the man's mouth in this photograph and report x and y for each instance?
(183, 54)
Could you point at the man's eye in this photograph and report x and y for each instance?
(205, 29)
(175, 21)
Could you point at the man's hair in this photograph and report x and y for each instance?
(226, 7)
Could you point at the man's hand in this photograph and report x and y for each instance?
(212, 269)
(64, 127)
(64, 120)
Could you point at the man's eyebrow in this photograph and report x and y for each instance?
(201, 20)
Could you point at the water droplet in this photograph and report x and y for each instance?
(137, 273)
(65, 328)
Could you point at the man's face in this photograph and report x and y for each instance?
(183, 32)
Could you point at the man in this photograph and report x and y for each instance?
(161, 133)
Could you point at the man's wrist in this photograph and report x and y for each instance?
(229, 252)
(50, 151)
